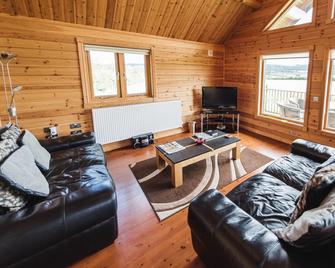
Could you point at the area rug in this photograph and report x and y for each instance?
(213, 173)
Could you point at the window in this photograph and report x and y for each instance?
(331, 10)
(104, 73)
(294, 13)
(114, 75)
(329, 122)
(135, 73)
(283, 87)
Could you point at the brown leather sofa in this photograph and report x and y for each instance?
(78, 217)
(235, 230)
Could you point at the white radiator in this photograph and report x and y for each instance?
(122, 122)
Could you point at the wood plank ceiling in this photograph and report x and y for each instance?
(197, 20)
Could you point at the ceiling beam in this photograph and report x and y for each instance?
(254, 4)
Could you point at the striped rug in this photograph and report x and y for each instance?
(213, 173)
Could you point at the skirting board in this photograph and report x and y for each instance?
(127, 143)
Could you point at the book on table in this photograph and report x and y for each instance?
(171, 147)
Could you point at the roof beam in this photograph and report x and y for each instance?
(254, 4)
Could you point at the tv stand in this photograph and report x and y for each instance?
(224, 120)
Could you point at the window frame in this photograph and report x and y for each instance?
(327, 91)
(281, 11)
(122, 98)
(260, 84)
(331, 11)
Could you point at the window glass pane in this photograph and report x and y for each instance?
(103, 73)
(300, 12)
(331, 104)
(135, 73)
(284, 87)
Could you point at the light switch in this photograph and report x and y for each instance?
(210, 53)
(315, 99)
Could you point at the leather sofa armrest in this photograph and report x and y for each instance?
(312, 150)
(67, 142)
(224, 235)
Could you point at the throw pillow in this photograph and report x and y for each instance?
(314, 228)
(41, 155)
(10, 199)
(11, 132)
(315, 190)
(6, 147)
(20, 171)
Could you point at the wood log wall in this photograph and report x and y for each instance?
(47, 67)
(249, 40)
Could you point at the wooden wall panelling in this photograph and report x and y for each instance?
(249, 40)
(47, 66)
(169, 18)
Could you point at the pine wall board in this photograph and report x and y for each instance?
(47, 66)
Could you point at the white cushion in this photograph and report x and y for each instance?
(41, 155)
(21, 172)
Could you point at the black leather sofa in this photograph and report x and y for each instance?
(235, 230)
(78, 217)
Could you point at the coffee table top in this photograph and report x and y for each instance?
(193, 150)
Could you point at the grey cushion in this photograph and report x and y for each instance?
(11, 132)
(11, 199)
(21, 172)
(7, 146)
(41, 155)
(314, 228)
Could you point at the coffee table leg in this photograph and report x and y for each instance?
(159, 161)
(176, 176)
(237, 151)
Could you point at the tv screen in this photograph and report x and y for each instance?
(219, 98)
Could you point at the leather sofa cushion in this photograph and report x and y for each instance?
(67, 142)
(312, 150)
(293, 169)
(267, 199)
(75, 158)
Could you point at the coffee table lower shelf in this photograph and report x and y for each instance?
(177, 168)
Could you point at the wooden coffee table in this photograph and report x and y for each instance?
(194, 153)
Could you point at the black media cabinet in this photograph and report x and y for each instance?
(224, 120)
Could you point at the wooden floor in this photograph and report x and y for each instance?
(143, 241)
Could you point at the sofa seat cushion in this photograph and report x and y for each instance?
(267, 199)
(294, 170)
(75, 158)
(78, 200)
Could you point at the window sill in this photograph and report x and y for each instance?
(283, 122)
(328, 132)
(110, 102)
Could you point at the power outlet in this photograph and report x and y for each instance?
(75, 125)
(76, 132)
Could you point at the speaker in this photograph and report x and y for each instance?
(142, 140)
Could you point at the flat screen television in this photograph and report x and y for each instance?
(219, 98)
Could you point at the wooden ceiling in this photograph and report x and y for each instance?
(197, 20)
